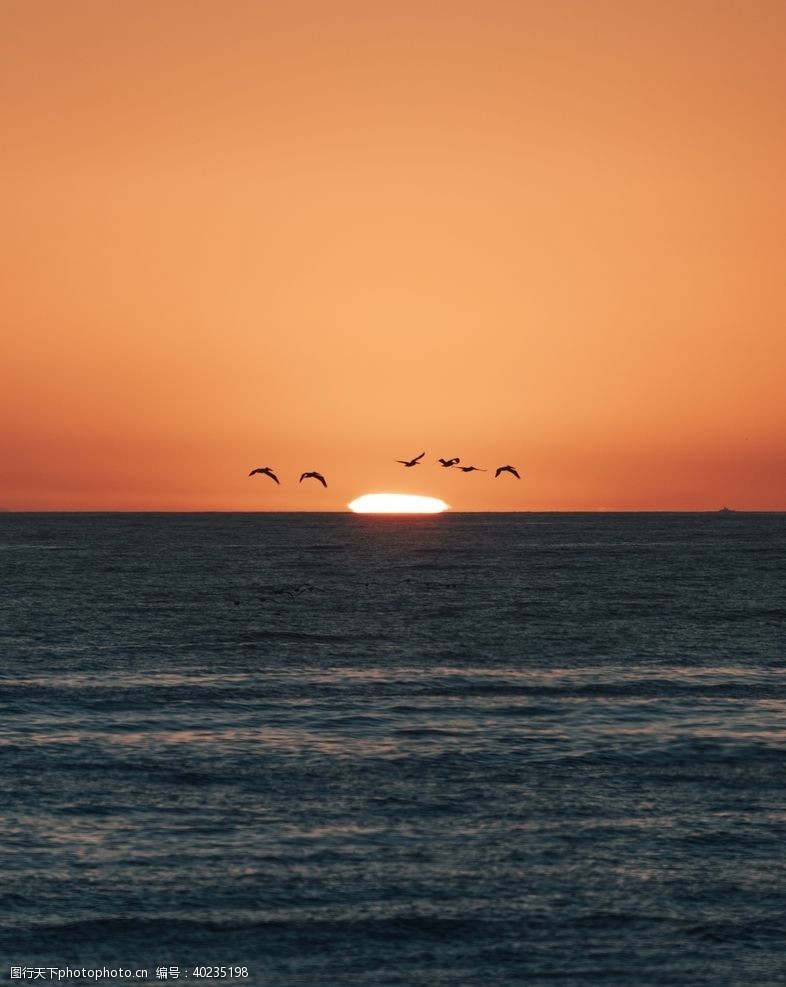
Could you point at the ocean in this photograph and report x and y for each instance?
(476, 750)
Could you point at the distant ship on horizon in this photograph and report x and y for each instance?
(727, 510)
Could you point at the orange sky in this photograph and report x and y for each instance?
(328, 235)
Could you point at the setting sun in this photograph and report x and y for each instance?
(390, 503)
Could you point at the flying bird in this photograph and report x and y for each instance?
(268, 471)
(507, 469)
(411, 462)
(470, 469)
(316, 476)
(449, 462)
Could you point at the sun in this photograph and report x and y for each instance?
(391, 503)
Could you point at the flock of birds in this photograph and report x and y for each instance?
(268, 471)
(453, 463)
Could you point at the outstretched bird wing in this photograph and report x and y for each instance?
(303, 477)
(418, 457)
(267, 471)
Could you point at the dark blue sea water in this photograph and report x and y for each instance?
(338, 750)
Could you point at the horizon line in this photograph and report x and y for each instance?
(586, 510)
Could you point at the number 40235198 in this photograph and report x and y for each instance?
(220, 972)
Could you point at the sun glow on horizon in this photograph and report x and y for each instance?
(392, 503)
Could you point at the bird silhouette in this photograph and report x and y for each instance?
(411, 462)
(472, 469)
(507, 469)
(268, 471)
(316, 476)
(447, 463)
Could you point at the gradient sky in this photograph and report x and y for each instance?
(328, 235)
